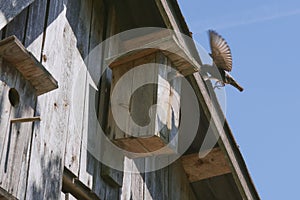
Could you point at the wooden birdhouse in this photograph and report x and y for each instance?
(145, 93)
(22, 79)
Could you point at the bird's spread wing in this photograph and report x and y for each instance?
(220, 51)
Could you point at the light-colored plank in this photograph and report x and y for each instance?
(213, 164)
(137, 179)
(49, 136)
(79, 18)
(126, 187)
(8, 78)
(115, 131)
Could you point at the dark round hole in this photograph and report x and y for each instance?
(14, 97)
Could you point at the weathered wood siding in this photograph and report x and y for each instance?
(61, 34)
(10, 8)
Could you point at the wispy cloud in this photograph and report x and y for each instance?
(241, 18)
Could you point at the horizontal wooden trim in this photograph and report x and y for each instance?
(28, 119)
(213, 164)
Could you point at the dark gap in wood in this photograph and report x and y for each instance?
(45, 28)
(90, 31)
(8, 148)
(104, 121)
(26, 25)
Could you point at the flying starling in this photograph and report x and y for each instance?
(221, 55)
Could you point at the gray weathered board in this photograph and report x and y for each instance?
(10, 9)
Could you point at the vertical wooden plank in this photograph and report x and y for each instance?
(63, 196)
(35, 27)
(156, 182)
(33, 42)
(163, 97)
(8, 79)
(79, 18)
(49, 137)
(17, 26)
(179, 187)
(89, 166)
(10, 9)
(140, 105)
(137, 179)
(126, 187)
(114, 131)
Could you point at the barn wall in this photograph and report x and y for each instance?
(61, 34)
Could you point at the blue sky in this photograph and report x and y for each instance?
(264, 37)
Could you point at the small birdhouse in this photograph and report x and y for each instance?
(145, 94)
(22, 79)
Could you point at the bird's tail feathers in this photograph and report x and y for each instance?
(232, 82)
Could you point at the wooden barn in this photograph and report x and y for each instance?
(56, 91)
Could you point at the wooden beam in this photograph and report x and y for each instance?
(12, 50)
(72, 185)
(213, 164)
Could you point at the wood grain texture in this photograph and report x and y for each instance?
(225, 141)
(12, 50)
(35, 28)
(213, 164)
(89, 167)
(156, 182)
(16, 148)
(165, 41)
(79, 17)
(179, 187)
(239, 170)
(4, 195)
(49, 137)
(10, 9)
(137, 179)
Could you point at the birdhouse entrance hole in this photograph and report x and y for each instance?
(14, 97)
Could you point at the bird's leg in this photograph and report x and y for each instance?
(219, 84)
